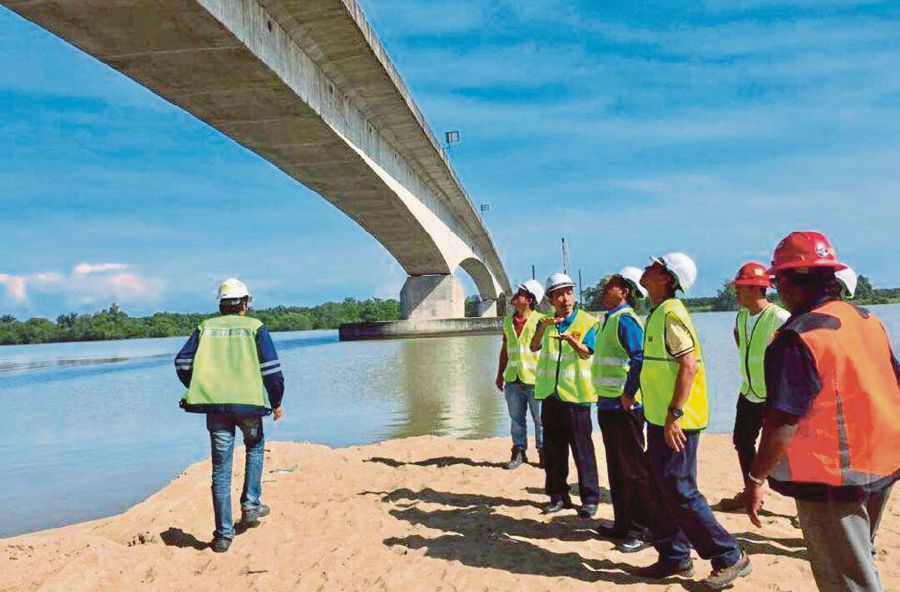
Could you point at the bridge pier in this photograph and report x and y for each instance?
(437, 296)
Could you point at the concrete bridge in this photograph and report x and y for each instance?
(307, 86)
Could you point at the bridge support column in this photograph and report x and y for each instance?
(432, 297)
(487, 308)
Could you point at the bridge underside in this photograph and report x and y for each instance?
(305, 85)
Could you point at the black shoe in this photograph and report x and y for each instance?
(556, 506)
(587, 510)
(631, 544)
(540, 458)
(518, 457)
(251, 517)
(220, 544)
(662, 570)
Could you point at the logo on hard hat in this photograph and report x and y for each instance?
(757, 271)
(822, 250)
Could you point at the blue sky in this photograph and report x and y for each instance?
(630, 128)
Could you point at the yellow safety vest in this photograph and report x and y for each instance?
(561, 369)
(611, 360)
(660, 370)
(521, 362)
(752, 350)
(226, 374)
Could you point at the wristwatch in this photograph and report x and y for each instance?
(676, 412)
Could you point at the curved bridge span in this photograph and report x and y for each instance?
(306, 85)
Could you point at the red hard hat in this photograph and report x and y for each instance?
(804, 249)
(752, 274)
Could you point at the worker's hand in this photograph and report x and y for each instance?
(499, 382)
(278, 413)
(627, 401)
(674, 435)
(754, 502)
(567, 337)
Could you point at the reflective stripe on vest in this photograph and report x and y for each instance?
(850, 434)
(226, 366)
(521, 362)
(752, 350)
(660, 370)
(563, 371)
(611, 360)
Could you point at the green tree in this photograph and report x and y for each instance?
(726, 298)
(864, 290)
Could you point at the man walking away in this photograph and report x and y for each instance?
(831, 432)
(564, 386)
(517, 369)
(754, 327)
(617, 367)
(233, 375)
(673, 386)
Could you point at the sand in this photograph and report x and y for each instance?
(423, 513)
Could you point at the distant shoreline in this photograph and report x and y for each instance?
(113, 324)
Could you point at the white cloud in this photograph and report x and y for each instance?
(88, 284)
(87, 268)
(15, 287)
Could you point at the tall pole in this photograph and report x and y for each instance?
(565, 257)
(532, 271)
(580, 289)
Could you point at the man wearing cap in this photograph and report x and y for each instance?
(673, 387)
(830, 433)
(564, 385)
(755, 325)
(618, 357)
(232, 373)
(517, 369)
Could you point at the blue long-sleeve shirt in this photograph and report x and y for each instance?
(631, 337)
(269, 366)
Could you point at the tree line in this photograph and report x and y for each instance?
(726, 298)
(114, 323)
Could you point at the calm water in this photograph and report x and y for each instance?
(94, 428)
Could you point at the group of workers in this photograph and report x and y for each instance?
(819, 382)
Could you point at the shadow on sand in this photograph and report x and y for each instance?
(441, 461)
(175, 537)
(477, 536)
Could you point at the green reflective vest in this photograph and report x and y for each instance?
(561, 369)
(226, 372)
(611, 360)
(660, 370)
(521, 362)
(752, 349)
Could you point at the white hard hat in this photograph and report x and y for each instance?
(632, 275)
(534, 288)
(681, 266)
(847, 279)
(232, 289)
(559, 280)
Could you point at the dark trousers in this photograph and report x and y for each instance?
(747, 425)
(634, 506)
(568, 426)
(685, 519)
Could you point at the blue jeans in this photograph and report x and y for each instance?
(221, 435)
(519, 400)
(685, 519)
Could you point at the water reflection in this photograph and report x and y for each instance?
(447, 387)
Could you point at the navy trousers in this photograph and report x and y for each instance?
(685, 519)
(569, 426)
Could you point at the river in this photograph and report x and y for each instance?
(93, 428)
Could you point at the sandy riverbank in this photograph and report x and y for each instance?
(423, 513)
